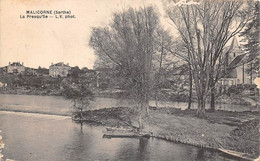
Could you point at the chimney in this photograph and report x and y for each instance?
(67, 64)
(22, 63)
(9, 62)
(51, 63)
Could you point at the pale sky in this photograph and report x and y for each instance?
(39, 42)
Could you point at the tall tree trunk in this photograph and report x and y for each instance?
(201, 107)
(156, 99)
(251, 73)
(140, 121)
(243, 74)
(143, 112)
(145, 107)
(157, 89)
(190, 93)
(212, 99)
(159, 74)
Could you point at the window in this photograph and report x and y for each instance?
(234, 54)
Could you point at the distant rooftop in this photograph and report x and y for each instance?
(236, 61)
(16, 64)
(234, 47)
(60, 64)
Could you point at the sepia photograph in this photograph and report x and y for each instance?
(129, 80)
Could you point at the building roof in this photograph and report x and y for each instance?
(16, 64)
(232, 72)
(60, 64)
(234, 47)
(236, 61)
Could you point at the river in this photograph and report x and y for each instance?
(38, 136)
(61, 106)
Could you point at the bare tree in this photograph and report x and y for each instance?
(162, 59)
(178, 51)
(205, 27)
(78, 93)
(129, 43)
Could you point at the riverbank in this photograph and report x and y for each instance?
(235, 131)
(32, 91)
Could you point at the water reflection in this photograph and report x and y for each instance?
(31, 138)
(77, 145)
(143, 149)
(133, 149)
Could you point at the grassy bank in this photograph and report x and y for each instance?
(229, 130)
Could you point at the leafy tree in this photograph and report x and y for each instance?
(74, 72)
(251, 34)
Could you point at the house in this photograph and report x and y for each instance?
(235, 66)
(15, 67)
(59, 70)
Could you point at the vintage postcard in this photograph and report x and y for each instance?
(129, 80)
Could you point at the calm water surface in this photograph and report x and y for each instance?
(38, 137)
(60, 105)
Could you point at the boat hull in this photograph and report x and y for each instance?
(110, 134)
(236, 154)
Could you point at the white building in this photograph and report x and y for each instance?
(59, 70)
(15, 67)
(235, 58)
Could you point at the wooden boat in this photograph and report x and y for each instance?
(118, 129)
(236, 154)
(120, 132)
